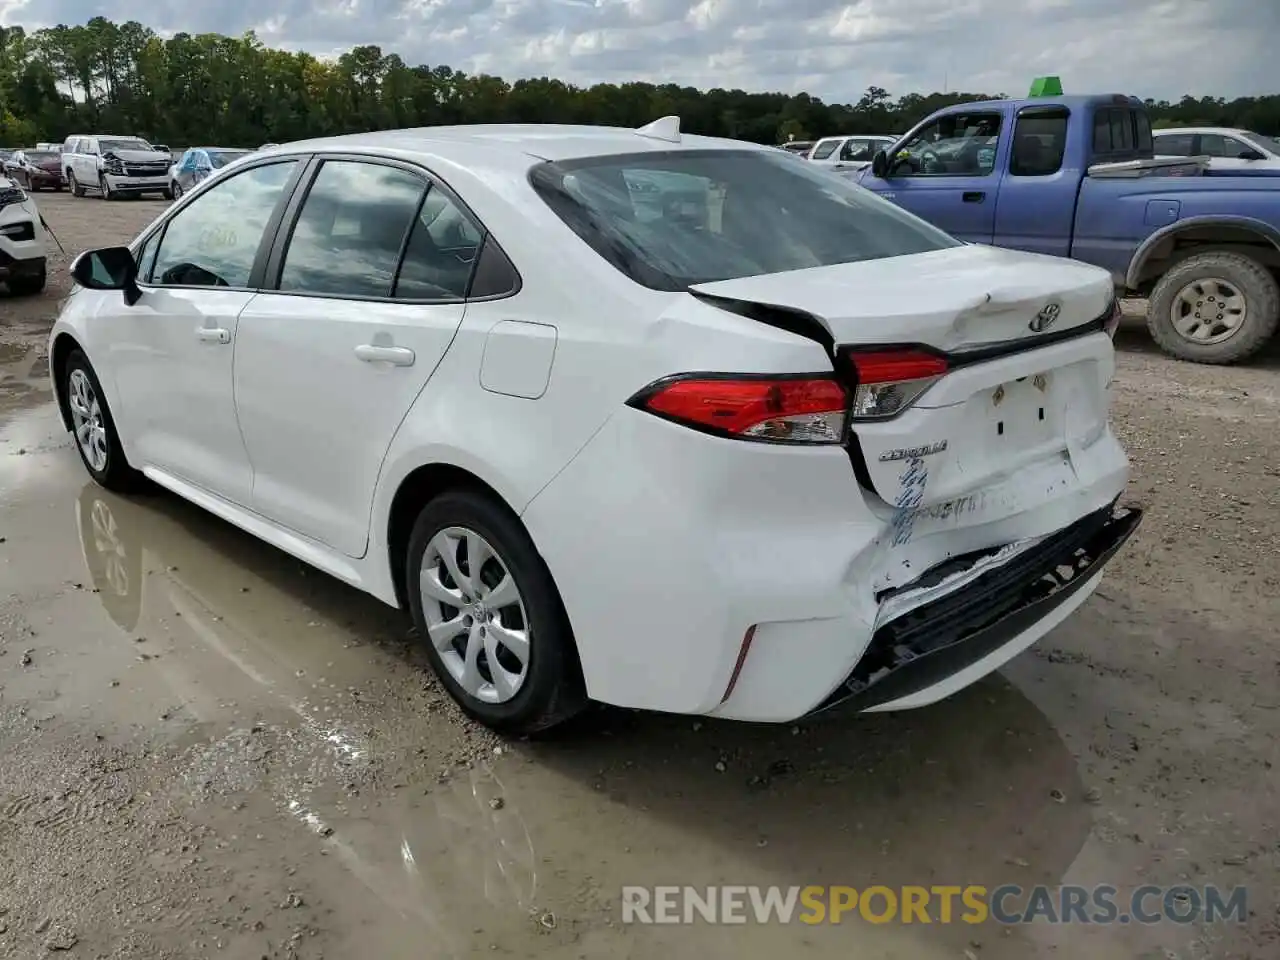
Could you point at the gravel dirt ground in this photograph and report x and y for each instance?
(211, 751)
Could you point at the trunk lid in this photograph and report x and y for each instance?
(1020, 390)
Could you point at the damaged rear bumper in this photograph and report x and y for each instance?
(934, 649)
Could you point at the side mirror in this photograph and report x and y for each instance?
(880, 164)
(1250, 155)
(111, 268)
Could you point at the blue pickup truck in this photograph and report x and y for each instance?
(1076, 176)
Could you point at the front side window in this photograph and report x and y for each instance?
(824, 149)
(722, 214)
(213, 241)
(1216, 145)
(351, 229)
(957, 145)
(855, 151)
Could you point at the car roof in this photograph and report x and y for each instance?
(514, 143)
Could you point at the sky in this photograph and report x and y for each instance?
(832, 49)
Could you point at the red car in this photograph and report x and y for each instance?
(36, 169)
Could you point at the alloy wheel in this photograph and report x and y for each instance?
(87, 420)
(475, 615)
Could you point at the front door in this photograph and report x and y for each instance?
(328, 366)
(171, 352)
(948, 174)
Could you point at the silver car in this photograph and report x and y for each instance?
(198, 163)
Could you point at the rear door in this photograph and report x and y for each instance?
(366, 289)
(948, 172)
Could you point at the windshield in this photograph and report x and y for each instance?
(1267, 143)
(220, 158)
(672, 219)
(106, 146)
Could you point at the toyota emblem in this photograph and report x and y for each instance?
(1046, 318)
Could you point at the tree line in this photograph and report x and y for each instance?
(235, 91)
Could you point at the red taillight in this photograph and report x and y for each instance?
(1113, 319)
(889, 381)
(775, 409)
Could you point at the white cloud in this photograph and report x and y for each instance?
(833, 49)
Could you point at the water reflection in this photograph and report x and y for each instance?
(280, 739)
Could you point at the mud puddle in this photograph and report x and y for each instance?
(211, 750)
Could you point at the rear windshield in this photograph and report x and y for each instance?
(221, 158)
(674, 218)
(106, 146)
(39, 156)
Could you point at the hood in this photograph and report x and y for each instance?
(948, 299)
(51, 164)
(138, 156)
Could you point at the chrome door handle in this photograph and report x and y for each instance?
(214, 335)
(396, 356)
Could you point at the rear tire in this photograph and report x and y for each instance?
(93, 428)
(532, 694)
(1243, 279)
(76, 189)
(175, 190)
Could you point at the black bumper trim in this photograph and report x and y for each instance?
(21, 268)
(926, 645)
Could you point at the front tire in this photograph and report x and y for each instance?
(496, 633)
(93, 428)
(105, 187)
(1214, 307)
(175, 190)
(28, 286)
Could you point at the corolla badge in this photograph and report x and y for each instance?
(1046, 318)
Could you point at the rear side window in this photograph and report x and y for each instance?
(351, 229)
(1121, 133)
(442, 252)
(1175, 144)
(668, 219)
(1039, 141)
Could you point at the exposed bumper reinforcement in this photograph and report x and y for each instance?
(930, 643)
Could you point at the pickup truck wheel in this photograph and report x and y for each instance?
(74, 184)
(1214, 307)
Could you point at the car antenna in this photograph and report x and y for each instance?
(667, 128)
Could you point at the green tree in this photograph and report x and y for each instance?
(207, 88)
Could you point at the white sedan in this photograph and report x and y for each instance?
(661, 421)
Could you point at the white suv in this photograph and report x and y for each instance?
(663, 421)
(22, 240)
(115, 167)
